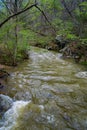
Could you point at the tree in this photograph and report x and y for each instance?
(75, 12)
(14, 9)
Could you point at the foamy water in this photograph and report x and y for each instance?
(11, 116)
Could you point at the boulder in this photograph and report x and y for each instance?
(60, 41)
(5, 103)
(1, 86)
(82, 74)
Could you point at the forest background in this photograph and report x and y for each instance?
(37, 22)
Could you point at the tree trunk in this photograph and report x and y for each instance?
(16, 34)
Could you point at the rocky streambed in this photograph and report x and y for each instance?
(45, 93)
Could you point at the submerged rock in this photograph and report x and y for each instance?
(5, 103)
(82, 74)
(1, 86)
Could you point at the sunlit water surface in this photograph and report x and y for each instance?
(48, 93)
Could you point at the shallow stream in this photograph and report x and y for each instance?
(49, 93)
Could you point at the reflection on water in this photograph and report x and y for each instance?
(47, 93)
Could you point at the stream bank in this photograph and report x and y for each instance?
(71, 49)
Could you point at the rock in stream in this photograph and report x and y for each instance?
(5, 103)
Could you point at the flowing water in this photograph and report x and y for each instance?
(49, 93)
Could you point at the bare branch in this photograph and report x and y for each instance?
(45, 17)
(68, 11)
(18, 13)
(24, 10)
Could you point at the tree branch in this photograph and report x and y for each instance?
(69, 12)
(65, 6)
(24, 10)
(45, 17)
(20, 12)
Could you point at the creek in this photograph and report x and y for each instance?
(48, 93)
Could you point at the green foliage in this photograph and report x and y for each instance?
(83, 5)
(43, 41)
(71, 36)
(36, 39)
(23, 38)
(84, 63)
(66, 29)
(7, 38)
(84, 41)
(25, 29)
(81, 12)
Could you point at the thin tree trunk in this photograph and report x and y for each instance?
(16, 34)
(16, 43)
